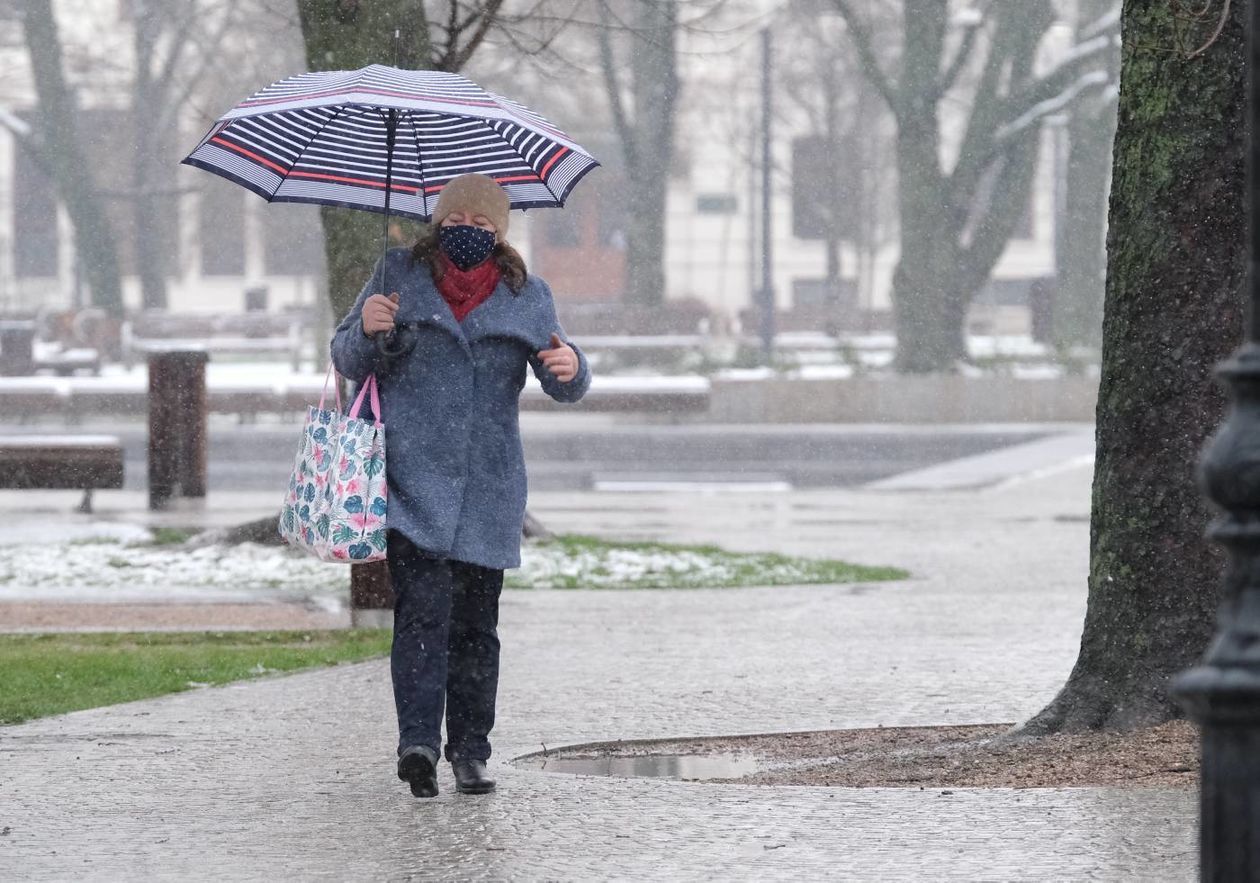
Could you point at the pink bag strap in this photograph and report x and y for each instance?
(369, 388)
(336, 388)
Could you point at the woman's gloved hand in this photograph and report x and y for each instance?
(378, 313)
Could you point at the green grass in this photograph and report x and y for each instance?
(574, 561)
(55, 673)
(171, 536)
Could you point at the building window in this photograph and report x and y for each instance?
(716, 204)
(823, 197)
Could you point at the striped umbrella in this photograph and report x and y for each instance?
(385, 139)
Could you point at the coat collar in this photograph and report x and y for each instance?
(500, 315)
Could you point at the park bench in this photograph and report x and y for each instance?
(62, 462)
(255, 333)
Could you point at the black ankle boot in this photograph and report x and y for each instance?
(471, 778)
(417, 766)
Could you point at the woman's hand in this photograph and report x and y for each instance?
(378, 313)
(561, 360)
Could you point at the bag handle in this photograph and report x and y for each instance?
(336, 387)
(369, 388)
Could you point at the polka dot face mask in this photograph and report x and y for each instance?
(466, 245)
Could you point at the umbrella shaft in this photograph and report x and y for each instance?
(391, 128)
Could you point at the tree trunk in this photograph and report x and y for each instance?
(149, 173)
(352, 245)
(1081, 261)
(645, 242)
(58, 142)
(346, 35)
(1173, 309)
(924, 306)
(151, 208)
(647, 136)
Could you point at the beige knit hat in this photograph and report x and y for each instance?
(474, 195)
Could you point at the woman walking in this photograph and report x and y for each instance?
(468, 320)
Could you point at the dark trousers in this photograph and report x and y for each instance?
(446, 650)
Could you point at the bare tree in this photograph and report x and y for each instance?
(175, 45)
(643, 107)
(1080, 253)
(956, 220)
(840, 189)
(52, 139)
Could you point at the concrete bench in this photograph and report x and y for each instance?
(57, 462)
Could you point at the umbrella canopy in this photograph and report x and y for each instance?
(338, 137)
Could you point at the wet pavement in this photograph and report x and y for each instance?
(291, 777)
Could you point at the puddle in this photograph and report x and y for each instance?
(661, 766)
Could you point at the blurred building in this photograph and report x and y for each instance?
(833, 199)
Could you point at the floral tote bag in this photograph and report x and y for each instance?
(335, 507)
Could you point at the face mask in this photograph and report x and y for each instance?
(466, 245)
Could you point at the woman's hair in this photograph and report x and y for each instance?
(511, 264)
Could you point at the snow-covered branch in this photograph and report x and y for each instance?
(1080, 52)
(863, 43)
(1042, 109)
(14, 123)
(1109, 21)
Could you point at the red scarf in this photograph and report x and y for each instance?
(465, 290)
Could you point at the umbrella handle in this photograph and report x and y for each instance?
(382, 345)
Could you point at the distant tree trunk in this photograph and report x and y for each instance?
(1173, 309)
(927, 339)
(1081, 260)
(152, 261)
(56, 141)
(149, 171)
(646, 132)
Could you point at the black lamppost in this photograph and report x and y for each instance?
(1223, 693)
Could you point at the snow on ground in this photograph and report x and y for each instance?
(112, 569)
(104, 563)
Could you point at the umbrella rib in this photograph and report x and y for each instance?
(309, 141)
(527, 163)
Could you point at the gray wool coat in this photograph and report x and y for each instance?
(453, 455)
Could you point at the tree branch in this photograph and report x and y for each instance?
(169, 108)
(24, 137)
(995, 221)
(860, 34)
(616, 105)
(179, 41)
(965, 48)
(488, 17)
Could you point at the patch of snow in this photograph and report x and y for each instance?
(824, 372)
(22, 532)
(114, 569)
